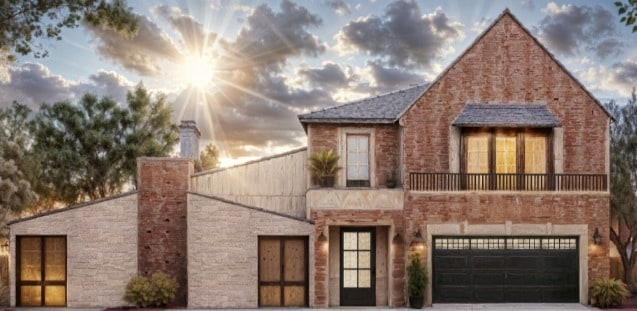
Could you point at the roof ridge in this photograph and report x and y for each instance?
(366, 99)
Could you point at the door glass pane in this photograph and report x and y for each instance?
(349, 259)
(30, 259)
(349, 240)
(350, 278)
(54, 296)
(364, 279)
(364, 241)
(55, 256)
(364, 260)
(30, 295)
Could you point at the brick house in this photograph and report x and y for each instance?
(502, 169)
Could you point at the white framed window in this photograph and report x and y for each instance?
(357, 160)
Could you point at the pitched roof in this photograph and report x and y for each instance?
(506, 115)
(380, 109)
(504, 13)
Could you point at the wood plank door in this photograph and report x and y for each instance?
(283, 271)
(358, 271)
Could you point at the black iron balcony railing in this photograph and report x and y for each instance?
(507, 182)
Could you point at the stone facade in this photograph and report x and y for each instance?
(162, 226)
(101, 249)
(223, 250)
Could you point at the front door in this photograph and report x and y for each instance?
(358, 273)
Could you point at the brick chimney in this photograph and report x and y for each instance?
(162, 223)
(189, 139)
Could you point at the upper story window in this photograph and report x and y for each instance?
(506, 151)
(357, 167)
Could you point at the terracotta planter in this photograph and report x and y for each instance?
(416, 302)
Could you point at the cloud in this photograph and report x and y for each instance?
(480, 25)
(608, 47)
(143, 53)
(619, 79)
(339, 6)
(386, 79)
(569, 29)
(194, 38)
(329, 77)
(402, 36)
(528, 4)
(269, 37)
(33, 84)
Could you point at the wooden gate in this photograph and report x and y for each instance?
(283, 271)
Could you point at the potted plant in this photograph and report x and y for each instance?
(323, 166)
(416, 282)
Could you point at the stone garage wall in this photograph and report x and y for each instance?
(101, 246)
(223, 250)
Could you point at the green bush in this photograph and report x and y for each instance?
(416, 277)
(608, 293)
(158, 290)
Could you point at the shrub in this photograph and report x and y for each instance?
(608, 292)
(416, 276)
(157, 291)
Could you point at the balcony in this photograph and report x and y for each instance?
(507, 182)
(355, 198)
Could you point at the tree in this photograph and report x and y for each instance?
(209, 158)
(628, 13)
(16, 192)
(89, 150)
(149, 131)
(623, 176)
(22, 21)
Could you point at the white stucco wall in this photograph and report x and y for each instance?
(101, 248)
(223, 251)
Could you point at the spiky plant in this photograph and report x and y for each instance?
(608, 292)
(323, 163)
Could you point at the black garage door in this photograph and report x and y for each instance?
(505, 269)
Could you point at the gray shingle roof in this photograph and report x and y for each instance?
(380, 109)
(506, 115)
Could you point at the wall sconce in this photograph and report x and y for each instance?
(597, 238)
(418, 242)
(397, 239)
(322, 238)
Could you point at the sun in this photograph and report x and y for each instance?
(198, 71)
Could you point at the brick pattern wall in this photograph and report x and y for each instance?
(386, 147)
(505, 66)
(223, 251)
(101, 249)
(498, 208)
(324, 218)
(162, 229)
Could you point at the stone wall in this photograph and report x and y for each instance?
(275, 183)
(101, 249)
(162, 230)
(223, 250)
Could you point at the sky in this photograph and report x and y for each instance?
(244, 70)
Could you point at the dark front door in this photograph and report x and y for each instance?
(358, 272)
(505, 269)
